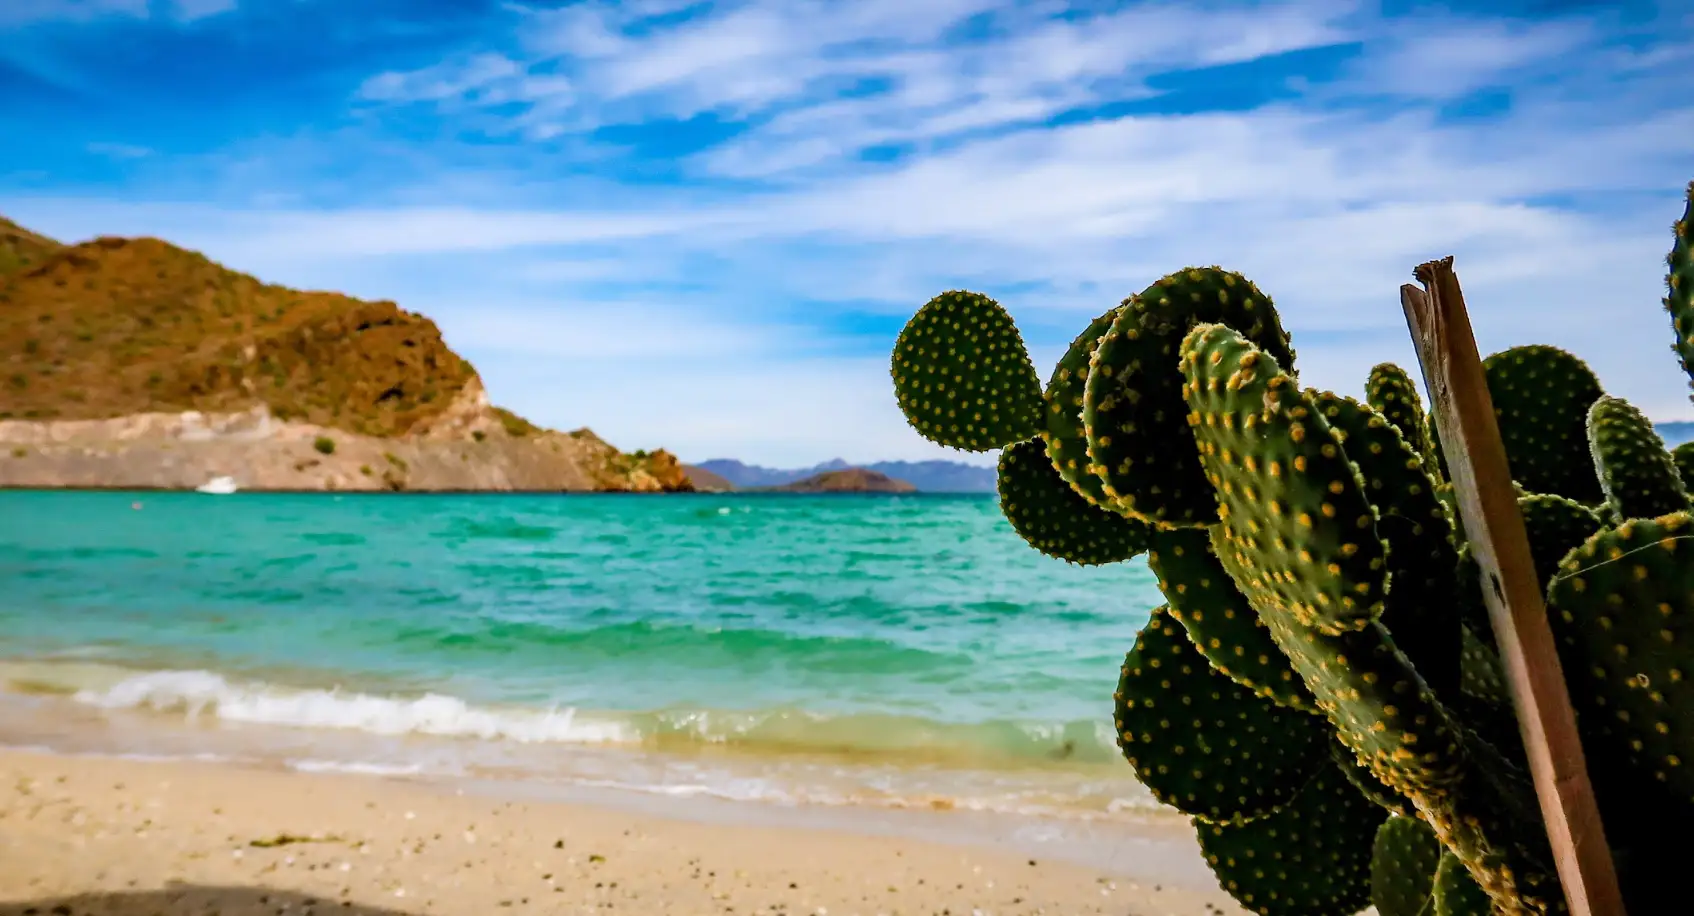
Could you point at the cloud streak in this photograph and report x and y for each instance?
(729, 210)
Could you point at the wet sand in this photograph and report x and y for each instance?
(110, 837)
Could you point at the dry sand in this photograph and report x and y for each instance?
(84, 836)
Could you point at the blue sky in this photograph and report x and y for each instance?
(700, 225)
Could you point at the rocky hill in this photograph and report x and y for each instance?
(850, 480)
(135, 363)
(932, 476)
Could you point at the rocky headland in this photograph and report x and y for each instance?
(133, 363)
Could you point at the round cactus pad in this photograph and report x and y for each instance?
(1683, 456)
(1294, 509)
(1456, 892)
(1219, 620)
(1132, 405)
(1541, 398)
(1555, 526)
(1638, 475)
(1067, 444)
(1622, 608)
(1054, 518)
(1402, 867)
(1679, 286)
(1312, 858)
(1419, 612)
(1201, 742)
(1390, 392)
(963, 377)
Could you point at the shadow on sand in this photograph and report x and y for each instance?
(193, 900)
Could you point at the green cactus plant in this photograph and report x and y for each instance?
(1310, 857)
(1404, 857)
(1456, 893)
(1541, 397)
(1067, 443)
(1683, 457)
(1202, 743)
(1223, 626)
(1056, 520)
(1390, 392)
(963, 377)
(1679, 287)
(1132, 406)
(1321, 692)
(1640, 479)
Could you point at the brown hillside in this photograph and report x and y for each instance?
(115, 327)
(703, 479)
(850, 480)
(19, 247)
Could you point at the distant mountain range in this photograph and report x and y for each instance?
(949, 476)
(926, 476)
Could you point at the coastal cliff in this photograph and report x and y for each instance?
(132, 363)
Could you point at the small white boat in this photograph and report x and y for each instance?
(219, 485)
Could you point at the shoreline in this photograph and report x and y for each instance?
(13, 488)
(106, 835)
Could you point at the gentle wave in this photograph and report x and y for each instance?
(208, 695)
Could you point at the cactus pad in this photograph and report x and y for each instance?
(1456, 892)
(1402, 867)
(1639, 477)
(1201, 742)
(1366, 782)
(1054, 518)
(1541, 397)
(1312, 858)
(1293, 508)
(1219, 620)
(1133, 410)
(1419, 611)
(1555, 526)
(1679, 287)
(1390, 392)
(963, 377)
(1683, 456)
(1483, 674)
(1622, 608)
(1066, 443)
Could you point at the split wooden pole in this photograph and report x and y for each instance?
(1476, 462)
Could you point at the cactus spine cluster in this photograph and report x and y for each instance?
(1321, 693)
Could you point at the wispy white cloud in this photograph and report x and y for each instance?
(24, 12)
(119, 150)
(697, 312)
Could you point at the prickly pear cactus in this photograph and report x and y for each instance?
(1622, 605)
(1132, 407)
(1067, 444)
(1638, 476)
(1679, 287)
(1390, 392)
(1404, 858)
(1541, 396)
(1202, 743)
(963, 377)
(1048, 513)
(1322, 693)
(1223, 626)
(1683, 457)
(1312, 857)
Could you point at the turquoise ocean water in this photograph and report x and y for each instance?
(906, 651)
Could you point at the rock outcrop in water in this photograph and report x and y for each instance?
(851, 480)
(133, 363)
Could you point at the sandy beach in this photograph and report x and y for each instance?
(112, 837)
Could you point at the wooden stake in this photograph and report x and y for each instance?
(1476, 462)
